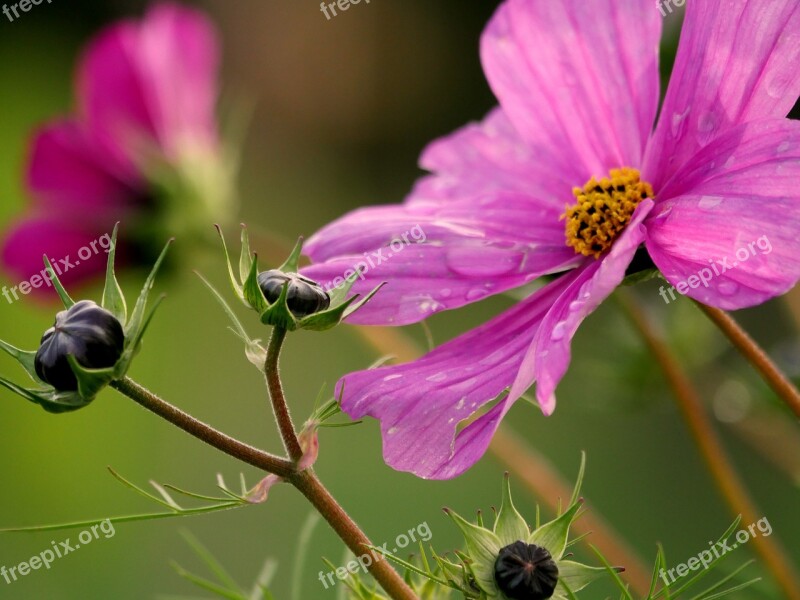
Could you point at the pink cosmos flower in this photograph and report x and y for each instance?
(143, 142)
(569, 175)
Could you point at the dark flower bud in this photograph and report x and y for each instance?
(526, 572)
(88, 332)
(304, 296)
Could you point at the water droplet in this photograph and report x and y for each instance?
(559, 331)
(445, 292)
(707, 202)
(393, 376)
(679, 122)
(784, 147)
(476, 294)
(392, 430)
(460, 404)
(728, 288)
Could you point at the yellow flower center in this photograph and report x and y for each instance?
(603, 210)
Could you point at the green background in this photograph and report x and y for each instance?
(343, 108)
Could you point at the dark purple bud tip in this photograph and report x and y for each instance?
(304, 296)
(87, 331)
(526, 572)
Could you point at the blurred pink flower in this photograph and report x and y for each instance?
(578, 86)
(144, 134)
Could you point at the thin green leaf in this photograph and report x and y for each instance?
(207, 585)
(303, 542)
(212, 563)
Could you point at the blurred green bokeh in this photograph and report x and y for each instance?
(343, 108)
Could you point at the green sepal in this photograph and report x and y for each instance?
(252, 291)
(553, 535)
(292, 264)
(577, 576)
(113, 299)
(48, 398)
(278, 314)
(90, 381)
(510, 526)
(237, 287)
(484, 548)
(62, 293)
(23, 357)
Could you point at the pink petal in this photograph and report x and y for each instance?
(155, 79)
(61, 240)
(457, 253)
(577, 78)
(179, 54)
(737, 196)
(489, 157)
(68, 171)
(421, 404)
(737, 62)
(549, 355)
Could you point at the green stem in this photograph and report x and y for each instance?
(279, 405)
(750, 349)
(206, 433)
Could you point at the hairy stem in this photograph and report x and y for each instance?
(359, 544)
(711, 449)
(206, 433)
(279, 406)
(750, 349)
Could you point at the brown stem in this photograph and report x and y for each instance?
(544, 482)
(750, 349)
(712, 450)
(279, 405)
(359, 544)
(206, 433)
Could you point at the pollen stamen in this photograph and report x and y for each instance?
(603, 209)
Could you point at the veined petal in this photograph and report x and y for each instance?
(422, 404)
(438, 257)
(737, 62)
(725, 229)
(578, 78)
(490, 157)
(548, 356)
